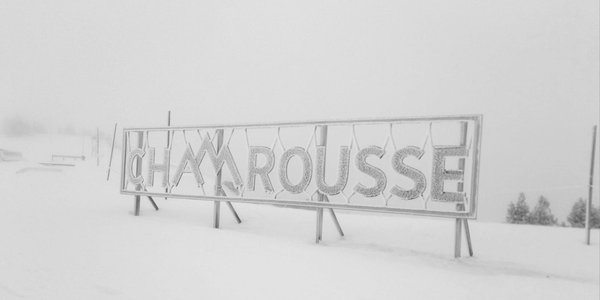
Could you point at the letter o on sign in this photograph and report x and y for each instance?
(306, 172)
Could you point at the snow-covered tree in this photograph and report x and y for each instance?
(541, 214)
(518, 213)
(577, 216)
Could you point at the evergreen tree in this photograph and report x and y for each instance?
(541, 214)
(595, 217)
(518, 213)
(577, 216)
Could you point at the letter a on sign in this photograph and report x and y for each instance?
(224, 157)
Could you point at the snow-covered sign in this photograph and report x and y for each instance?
(424, 166)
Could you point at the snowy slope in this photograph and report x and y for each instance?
(68, 234)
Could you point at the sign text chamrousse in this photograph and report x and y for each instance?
(425, 166)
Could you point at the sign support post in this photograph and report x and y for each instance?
(457, 237)
(168, 125)
(335, 220)
(136, 205)
(219, 189)
(461, 206)
(322, 141)
(168, 140)
(138, 171)
(235, 215)
(468, 235)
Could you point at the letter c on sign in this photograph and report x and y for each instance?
(135, 153)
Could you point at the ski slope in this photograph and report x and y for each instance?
(69, 234)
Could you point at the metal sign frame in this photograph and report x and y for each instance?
(470, 213)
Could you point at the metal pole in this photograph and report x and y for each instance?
(138, 168)
(461, 206)
(457, 237)
(321, 141)
(319, 233)
(168, 125)
(588, 207)
(168, 141)
(468, 235)
(152, 202)
(218, 187)
(235, 215)
(335, 220)
(112, 148)
(136, 205)
(97, 146)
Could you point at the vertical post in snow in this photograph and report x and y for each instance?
(97, 146)
(588, 206)
(168, 125)
(168, 141)
(321, 141)
(112, 149)
(218, 187)
(457, 237)
(138, 168)
(461, 207)
(468, 235)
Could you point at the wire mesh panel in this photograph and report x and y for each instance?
(424, 166)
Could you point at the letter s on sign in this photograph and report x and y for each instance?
(417, 176)
(376, 173)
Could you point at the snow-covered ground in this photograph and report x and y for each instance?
(69, 234)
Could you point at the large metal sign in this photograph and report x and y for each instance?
(423, 166)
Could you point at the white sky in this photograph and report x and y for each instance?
(530, 67)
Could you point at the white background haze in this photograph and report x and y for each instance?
(530, 67)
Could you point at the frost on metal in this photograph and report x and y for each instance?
(427, 175)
